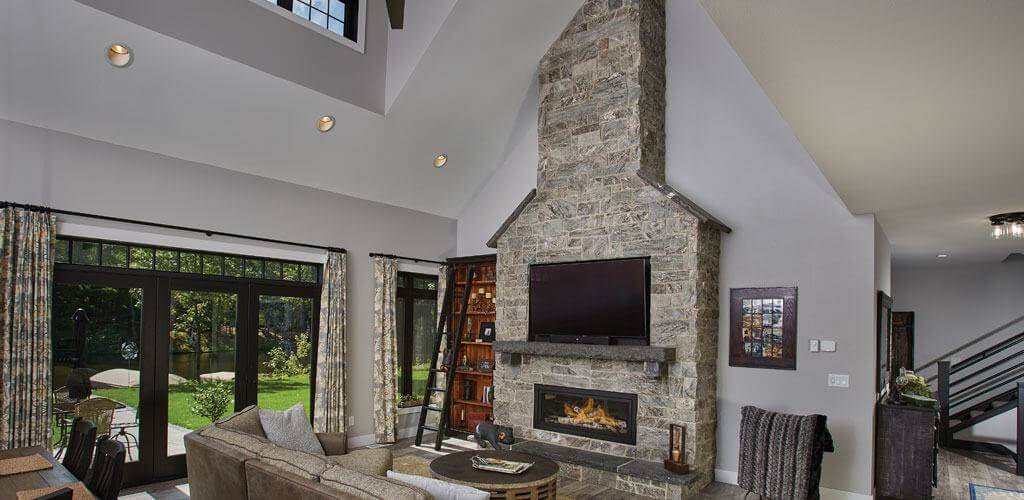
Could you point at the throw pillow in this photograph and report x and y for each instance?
(438, 489)
(290, 429)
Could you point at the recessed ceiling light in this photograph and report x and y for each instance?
(325, 123)
(119, 55)
(942, 255)
(440, 160)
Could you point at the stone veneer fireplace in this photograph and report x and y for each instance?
(601, 194)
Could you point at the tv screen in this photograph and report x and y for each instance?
(604, 301)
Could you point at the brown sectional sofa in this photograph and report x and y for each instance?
(232, 459)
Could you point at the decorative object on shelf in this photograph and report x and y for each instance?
(464, 365)
(1008, 225)
(914, 390)
(468, 389)
(762, 327)
(498, 436)
(676, 461)
(487, 331)
(485, 365)
(481, 301)
(462, 414)
(488, 396)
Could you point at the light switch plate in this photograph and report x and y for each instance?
(350, 421)
(838, 380)
(813, 345)
(828, 346)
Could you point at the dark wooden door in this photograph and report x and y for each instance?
(903, 339)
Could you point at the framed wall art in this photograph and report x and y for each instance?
(762, 327)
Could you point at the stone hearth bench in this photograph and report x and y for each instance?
(639, 477)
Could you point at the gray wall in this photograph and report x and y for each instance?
(954, 304)
(69, 172)
(730, 151)
(257, 37)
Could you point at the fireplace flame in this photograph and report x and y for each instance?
(592, 415)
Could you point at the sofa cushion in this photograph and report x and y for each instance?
(238, 440)
(247, 421)
(375, 462)
(297, 462)
(360, 485)
(291, 429)
(440, 490)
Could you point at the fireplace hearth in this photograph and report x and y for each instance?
(606, 415)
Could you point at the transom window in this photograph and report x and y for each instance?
(88, 252)
(337, 16)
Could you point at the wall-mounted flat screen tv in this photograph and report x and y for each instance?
(591, 302)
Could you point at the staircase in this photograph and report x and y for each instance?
(980, 387)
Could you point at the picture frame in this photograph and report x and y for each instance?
(487, 331)
(763, 327)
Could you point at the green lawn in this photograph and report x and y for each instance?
(274, 394)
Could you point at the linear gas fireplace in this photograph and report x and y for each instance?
(606, 415)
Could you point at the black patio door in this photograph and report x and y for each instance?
(119, 312)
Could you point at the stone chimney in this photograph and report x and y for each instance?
(601, 194)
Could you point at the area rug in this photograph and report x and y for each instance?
(412, 464)
(979, 492)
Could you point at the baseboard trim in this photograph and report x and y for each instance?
(731, 477)
(368, 439)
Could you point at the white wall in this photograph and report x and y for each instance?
(953, 304)
(729, 150)
(883, 261)
(39, 166)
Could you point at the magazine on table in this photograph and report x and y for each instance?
(499, 465)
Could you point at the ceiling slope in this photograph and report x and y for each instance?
(181, 101)
(912, 109)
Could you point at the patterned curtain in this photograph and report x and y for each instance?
(329, 409)
(27, 241)
(437, 398)
(385, 350)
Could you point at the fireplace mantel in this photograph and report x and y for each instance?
(654, 358)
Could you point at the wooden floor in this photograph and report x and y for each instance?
(956, 470)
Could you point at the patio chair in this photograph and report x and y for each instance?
(121, 427)
(99, 411)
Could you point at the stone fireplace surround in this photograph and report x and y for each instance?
(601, 194)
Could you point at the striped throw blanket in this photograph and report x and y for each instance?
(780, 454)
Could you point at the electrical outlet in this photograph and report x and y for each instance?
(828, 346)
(838, 380)
(813, 345)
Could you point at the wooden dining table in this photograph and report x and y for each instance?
(11, 485)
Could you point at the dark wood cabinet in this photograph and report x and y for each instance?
(905, 451)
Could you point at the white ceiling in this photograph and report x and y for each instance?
(181, 101)
(912, 108)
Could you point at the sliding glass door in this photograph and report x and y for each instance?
(171, 340)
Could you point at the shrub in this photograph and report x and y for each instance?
(280, 365)
(211, 399)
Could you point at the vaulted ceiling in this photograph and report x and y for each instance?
(456, 88)
(911, 108)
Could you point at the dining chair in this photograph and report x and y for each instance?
(78, 455)
(107, 469)
(61, 494)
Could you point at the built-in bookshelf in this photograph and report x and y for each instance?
(472, 392)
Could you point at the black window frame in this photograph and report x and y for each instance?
(350, 22)
(405, 289)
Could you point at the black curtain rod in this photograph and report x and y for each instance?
(399, 257)
(207, 232)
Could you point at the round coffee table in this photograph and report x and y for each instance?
(538, 482)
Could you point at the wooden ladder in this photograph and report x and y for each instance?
(442, 338)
